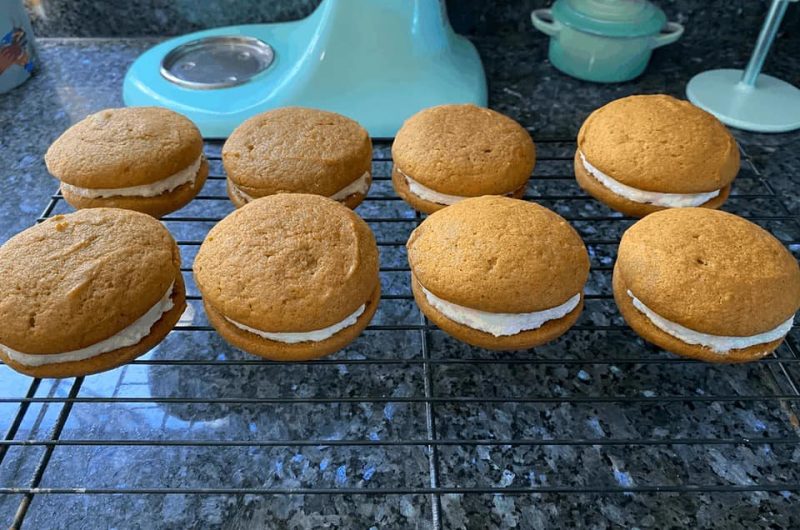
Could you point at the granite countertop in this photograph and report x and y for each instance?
(719, 441)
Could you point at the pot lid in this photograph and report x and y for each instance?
(612, 18)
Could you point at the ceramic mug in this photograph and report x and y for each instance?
(600, 58)
(17, 53)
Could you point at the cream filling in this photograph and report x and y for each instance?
(500, 324)
(145, 190)
(291, 337)
(127, 337)
(671, 200)
(360, 185)
(239, 193)
(716, 343)
(425, 193)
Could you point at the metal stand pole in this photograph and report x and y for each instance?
(749, 99)
(765, 39)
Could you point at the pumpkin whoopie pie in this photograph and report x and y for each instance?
(289, 276)
(87, 291)
(706, 284)
(147, 159)
(642, 154)
(298, 150)
(498, 273)
(448, 153)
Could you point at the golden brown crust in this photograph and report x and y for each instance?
(593, 187)
(301, 351)
(500, 255)
(401, 188)
(351, 201)
(297, 150)
(288, 263)
(118, 148)
(649, 332)
(465, 150)
(157, 206)
(77, 279)
(710, 271)
(115, 358)
(659, 143)
(521, 341)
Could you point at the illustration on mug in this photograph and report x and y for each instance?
(14, 49)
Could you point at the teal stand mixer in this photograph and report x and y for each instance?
(376, 61)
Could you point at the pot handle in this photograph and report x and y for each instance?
(543, 21)
(671, 32)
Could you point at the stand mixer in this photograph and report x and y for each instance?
(376, 61)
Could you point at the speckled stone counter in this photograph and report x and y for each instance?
(607, 431)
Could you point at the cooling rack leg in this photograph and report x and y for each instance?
(430, 422)
(38, 473)
(23, 408)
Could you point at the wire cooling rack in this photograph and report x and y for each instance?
(408, 427)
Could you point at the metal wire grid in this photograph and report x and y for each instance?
(779, 368)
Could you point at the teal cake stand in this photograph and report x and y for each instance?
(748, 99)
(376, 61)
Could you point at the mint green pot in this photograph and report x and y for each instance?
(605, 41)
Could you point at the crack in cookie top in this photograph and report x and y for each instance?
(77, 279)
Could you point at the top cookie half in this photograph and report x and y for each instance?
(661, 144)
(464, 150)
(77, 279)
(297, 150)
(289, 262)
(499, 255)
(710, 271)
(124, 147)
